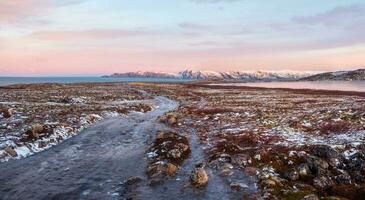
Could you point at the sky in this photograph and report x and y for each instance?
(94, 37)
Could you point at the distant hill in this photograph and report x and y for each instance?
(140, 74)
(212, 75)
(358, 74)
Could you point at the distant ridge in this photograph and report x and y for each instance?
(352, 75)
(212, 75)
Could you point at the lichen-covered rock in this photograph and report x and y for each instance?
(171, 146)
(199, 177)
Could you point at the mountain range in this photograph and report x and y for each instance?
(247, 76)
(212, 75)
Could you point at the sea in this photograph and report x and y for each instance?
(4, 81)
(358, 86)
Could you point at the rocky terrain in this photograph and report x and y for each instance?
(295, 145)
(35, 117)
(216, 143)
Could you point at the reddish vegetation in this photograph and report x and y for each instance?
(335, 127)
(260, 129)
(210, 111)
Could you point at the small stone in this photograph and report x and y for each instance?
(311, 197)
(7, 113)
(11, 152)
(199, 177)
(268, 183)
(160, 135)
(292, 175)
(226, 169)
(343, 178)
(322, 182)
(133, 180)
(238, 186)
(251, 171)
(155, 169)
(303, 170)
(155, 181)
(38, 128)
(171, 169)
(35, 131)
(224, 158)
(172, 120)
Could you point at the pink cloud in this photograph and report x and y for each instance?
(106, 61)
(17, 9)
(89, 34)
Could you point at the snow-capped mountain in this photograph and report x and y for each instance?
(212, 75)
(241, 75)
(358, 74)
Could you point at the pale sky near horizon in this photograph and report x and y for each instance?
(92, 37)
